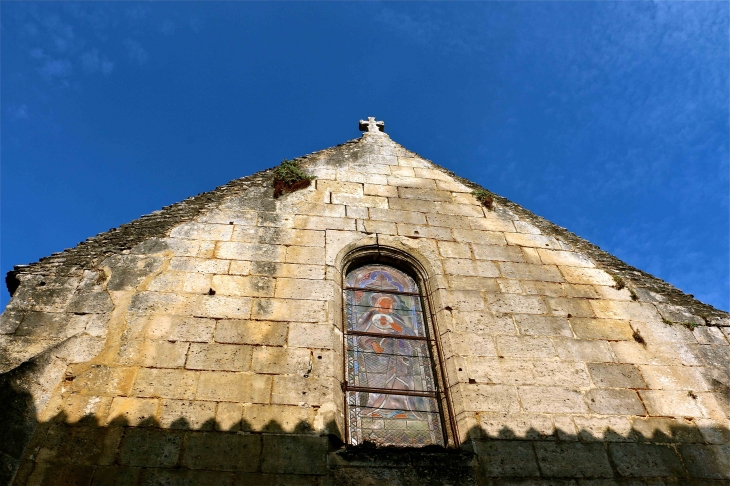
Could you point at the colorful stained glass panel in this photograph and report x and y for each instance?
(391, 391)
(380, 277)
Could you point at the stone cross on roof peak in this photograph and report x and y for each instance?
(371, 125)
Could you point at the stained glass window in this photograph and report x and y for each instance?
(392, 396)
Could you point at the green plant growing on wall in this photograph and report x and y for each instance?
(484, 197)
(634, 297)
(289, 177)
(619, 282)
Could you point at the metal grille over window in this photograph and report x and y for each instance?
(392, 396)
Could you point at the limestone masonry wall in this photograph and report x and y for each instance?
(203, 344)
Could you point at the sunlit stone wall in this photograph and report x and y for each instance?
(212, 353)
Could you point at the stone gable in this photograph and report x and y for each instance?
(202, 344)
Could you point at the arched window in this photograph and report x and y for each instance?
(391, 386)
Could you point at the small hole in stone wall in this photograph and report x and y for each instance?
(692, 395)
(415, 232)
(569, 316)
(306, 376)
(447, 308)
(460, 369)
(472, 381)
(41, 284)
(638, 338)
(319, 357)
(211, 292)
(230, 222)
(304, 393)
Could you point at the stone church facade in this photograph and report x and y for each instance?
(216, 342)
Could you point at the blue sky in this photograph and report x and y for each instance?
(610, 119)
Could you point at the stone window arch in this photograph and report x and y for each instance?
(394, 380)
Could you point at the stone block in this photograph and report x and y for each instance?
(662, 429)
(533, 241)
(448, 221)
(323, 223)
(304, 254)
(498, 253)
(451, 185)
(713, 431)
(290, 310)
(401, 171)
(614, 402)
(625, 310)
(461, 300)
(616, 375)
(163, 383)
(536, 325)
(436, 174)
(509, 286)
(89, 303)
(450, 249)
(492, 222)
(507, 426)
(278, 236)
(604, 429)
(670, 403)
(709, 335)
(311, 335)
(230, 216)
(479, 237)
(525, 347)
(175, 328)
(219, 451)
(235, 250)
(61, 475)
(500, 371)
(467, 282)
(536, 287)
(294, 454)
(565, 258)
(412, 205)
(530, 255)
(137, 412)
(573, 460)
(380, 190)
(225, 357)
(199, 265)
(221, 307)
(397, 216)
(675, 378)
(240, 267)
(415, 182)
(187, 414)
(529, 271)
(233, 387)
(297, 390)
(184, 477)
(486, 398)
(416, 231)
(383, 227)
(203, 231)
(279, 419)
(79, 408)
(548, 373)
(163, 354)
(251, 332)
(458, 209)
(583, 291)
(248, 286)
(281, 360)
(485, 323)
(506, 458)
(289, 288)
(564, 306)
(228, 416)
(645, 460)
(551, 399)
(706, 461)
(104, 380)
(583, 350)
(516, 304)
(462, 266)
(168, 282)
(356, 212)
(425, 194)
(150, 448)
(608, 329)
(340, 187)
(360, 201)
(468, 344)
(116, 476)
(361, 176)
(587, 276)
(336, 210)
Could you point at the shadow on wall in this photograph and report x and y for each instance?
(86, 452)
